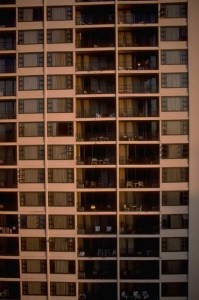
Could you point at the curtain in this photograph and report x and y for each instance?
(31, 83)
(174, 128)
(33, 266)
(174, 244)
(30, 129)
(171, 198)
(27, 14)
(60, 175)
(175, 221)
(62, 288)
(31, 199)
(58, 59)
(30, 59)
(61, 266)
(30, 152)
(34, 288)
(32, 244)
(171, 33)
(173, 174)
(30, 37)
(58, 13)
(31, 175)
(58, 36)
(174, 103)
(59, 222)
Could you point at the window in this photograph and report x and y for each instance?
(178, 103)
(174, 57)
(60, 152)
(31, 106)
(174, 267)
(175, 244)
(175, 174)
(175, 127)
(30, 129)
(59, 13)
(174, 221)
(34, 266)
(28, 37)
(175, 198)
(175, 289)
(31, 152)
(31, 176)
(32, 199)
(31, 83)
(62, 266)
(175, 33)
(60, 59)
(60, 175)
(32, 222)
(31, 60)
(7, 132)
(62, 289)
(30, 14)
(7, 87)
(61, 222)
(174, 80)
(59, 244)
(175, 151)
(60, 128)
(7, 109)
(60, 105)
(60, 82)
(33, 244)
(34, 288)
(55, 36)
(61, 199)
(177, 10)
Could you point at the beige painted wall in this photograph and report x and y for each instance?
(193, 44)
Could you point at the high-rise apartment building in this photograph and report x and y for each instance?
(99, 118)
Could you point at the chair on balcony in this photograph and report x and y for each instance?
(145, 295)
(106, 161)
(140, 183)
(93, 208)
(97, 228)
(129, 184)
(82, 296)
(136, 295)
(93, 161)
(108, 228)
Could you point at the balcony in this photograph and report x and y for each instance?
(10, 290)
(7, 64)
(7, 132)
(8, 155)
(96, 131)
(96, 108)
(4, 20)
(139, 60)
(96, 224)
(97, 291)
(139, 154)
(8, 178)
(139, 131)
(145, 291)
(139, 201)
(138, 14)
(140, 178)
(7, 87)
(95, 38)
(97, 269)
(7, 40)
(139, 107)
(96, 155)
(139, 224)
(97, 247)
(139, 247)
(8, 224)
(89, 15)
(9, 246)
(9, 268)
(92, 202)
(96, 178)
(139, 269)
(7, 109)
(138, 37)
(95, 85)
(8, 201)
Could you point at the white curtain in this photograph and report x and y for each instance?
(58, 13)
(58, 36)
(31, 83)
(30, 59)
(174, 103)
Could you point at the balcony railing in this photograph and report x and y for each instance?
(98, 19)
(139, 252)
(131, 112)
(7, 45)
(97, 137)
(93, 113)
(7, 92)
(103, 66)
(148, 18)
(103, 89)
(139, 183)
(129, 229)
(139, 160)
(94, 43)
(97, 252)
(138, 88)
(95, 184)
(96, 229)
(141, 136)
(96, 160)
